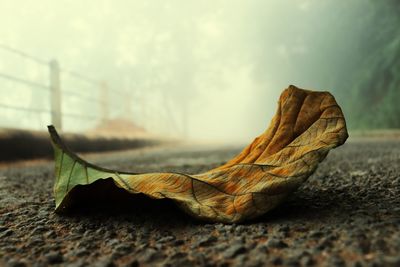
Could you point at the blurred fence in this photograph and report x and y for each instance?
(52, 99)
(47, 93)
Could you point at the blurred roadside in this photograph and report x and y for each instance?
(380, 134)
(19, 144)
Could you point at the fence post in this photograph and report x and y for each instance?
(185, 119)
(127, 107)
(104, 101)
(55, 94)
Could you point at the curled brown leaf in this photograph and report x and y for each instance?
(306, 126)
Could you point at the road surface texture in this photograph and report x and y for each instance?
(346, 214)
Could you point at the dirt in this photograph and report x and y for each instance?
(346, 214)
(25, 144)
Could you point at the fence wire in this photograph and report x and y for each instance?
(65, 92)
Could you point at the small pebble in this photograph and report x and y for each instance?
(54, 257)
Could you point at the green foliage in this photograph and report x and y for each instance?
(374, 101)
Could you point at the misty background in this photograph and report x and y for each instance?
(209, 70)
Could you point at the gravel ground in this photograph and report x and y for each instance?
(346, 214)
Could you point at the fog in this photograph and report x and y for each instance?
(209, 70)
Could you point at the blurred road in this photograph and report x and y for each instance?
(346, 214)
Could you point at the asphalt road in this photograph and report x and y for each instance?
(346, 214)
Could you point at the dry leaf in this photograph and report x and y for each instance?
(306, 126)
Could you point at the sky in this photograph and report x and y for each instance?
(207, 70)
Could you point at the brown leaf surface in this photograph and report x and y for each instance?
(306, 126)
